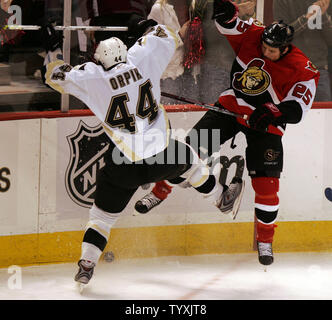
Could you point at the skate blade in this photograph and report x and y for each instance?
(80, 287)
(237, 203)
(136, 213)
(265, 268)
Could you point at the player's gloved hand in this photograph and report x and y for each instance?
(137, 26)
(262, 117)
(51, 39)
(218, 105)
(225, 11)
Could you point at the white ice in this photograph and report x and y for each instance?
(298, 276)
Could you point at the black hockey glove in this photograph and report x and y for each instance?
(262, 117)
(137, 26)
(225, 11)
(51, 39)
(218, 105)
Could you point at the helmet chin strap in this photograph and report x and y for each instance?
(282, 54)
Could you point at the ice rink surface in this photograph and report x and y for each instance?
(295, 276)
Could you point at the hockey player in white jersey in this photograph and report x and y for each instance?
(123, 91)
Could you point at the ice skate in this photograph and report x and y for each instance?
(147, 203)
(265, 253)
(231, 197)
(84, 273)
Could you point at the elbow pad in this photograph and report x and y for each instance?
(291, 112)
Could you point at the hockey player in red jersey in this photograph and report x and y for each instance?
(273, 83)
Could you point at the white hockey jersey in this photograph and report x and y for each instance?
(126, 98)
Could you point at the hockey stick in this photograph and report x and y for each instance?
(71, 28)
(204, 105)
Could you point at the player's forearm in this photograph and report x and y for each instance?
(301, 23)
(52, 75)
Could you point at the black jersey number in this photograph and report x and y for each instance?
(118, 115)
(146, 105)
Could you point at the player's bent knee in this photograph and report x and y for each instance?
(97, 232)
(266, 190)
(198, 173)
(101, 220)
(265, 185)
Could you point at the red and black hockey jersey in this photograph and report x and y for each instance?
(256, 80)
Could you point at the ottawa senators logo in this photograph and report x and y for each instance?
(254, 80)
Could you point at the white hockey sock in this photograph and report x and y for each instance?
(90, 252)
(97, 233)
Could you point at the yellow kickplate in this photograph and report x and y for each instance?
(182, 240)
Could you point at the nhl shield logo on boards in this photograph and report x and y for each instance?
(87, 148)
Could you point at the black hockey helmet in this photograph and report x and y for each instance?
(278, 34)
